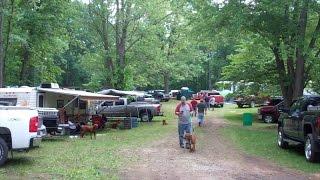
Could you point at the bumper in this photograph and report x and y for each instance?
(35, 142)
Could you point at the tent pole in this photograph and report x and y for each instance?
(71, 101)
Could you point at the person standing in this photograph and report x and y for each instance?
(194, 104)
(202, 110)
(212, 102)
(183, 111)
(207, 101)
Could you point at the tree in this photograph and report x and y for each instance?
(2, 7)
(290, 29)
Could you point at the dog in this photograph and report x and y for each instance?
(164, 122)
(89, 129)
(191, 139)
(115, 124)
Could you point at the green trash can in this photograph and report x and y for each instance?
(247, 119)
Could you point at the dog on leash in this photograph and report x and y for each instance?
(191, 139)
(164, 122)
(89, 129)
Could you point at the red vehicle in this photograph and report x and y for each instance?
(270, 113)
(219, 99)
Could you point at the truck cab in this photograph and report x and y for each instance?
(301, 124)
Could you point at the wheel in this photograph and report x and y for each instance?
(267, 118)
(252, 104)
(309, 149)
(221, 105)
(281, 142)
(3, 151)
(240, 106)
(146, 116)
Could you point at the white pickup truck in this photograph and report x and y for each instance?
(18, 130)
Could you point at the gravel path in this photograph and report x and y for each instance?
(215, 158)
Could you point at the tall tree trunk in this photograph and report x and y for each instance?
(1, 43)
(286, 88)
(108, 59)
(300, 54)
(25, 64)
(166, 79)
(9, 31)
(209, 75)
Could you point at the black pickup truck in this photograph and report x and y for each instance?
(301, 123)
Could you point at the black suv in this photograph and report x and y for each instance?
(301, 123)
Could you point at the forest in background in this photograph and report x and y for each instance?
(161, 44)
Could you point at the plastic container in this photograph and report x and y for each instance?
(247, 119)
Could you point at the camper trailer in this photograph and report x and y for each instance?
(49, 98)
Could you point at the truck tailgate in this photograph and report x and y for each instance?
(17, 121)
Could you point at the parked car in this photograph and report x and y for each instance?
(219, 99)
(250, 101)
(143, 110)
(301, 123)
(174, 93)
(271, 113)
(18, 130)
(160, 95)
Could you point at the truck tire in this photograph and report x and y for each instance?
(3, 151)
(309, 149)
(221, 105)
(146, 116)
(268, 118)
(281, 141)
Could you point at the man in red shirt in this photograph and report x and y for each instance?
(194, 104)
(183, 111)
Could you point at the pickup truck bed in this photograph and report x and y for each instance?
(144, 111)
(18, 129)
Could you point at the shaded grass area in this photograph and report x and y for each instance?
(65, 158)
(261, 140)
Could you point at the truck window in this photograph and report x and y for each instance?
(295, 108)
(10, 101)
(40, 100)
(120, 102)
(107, 103)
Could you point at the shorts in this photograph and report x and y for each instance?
(201, 118)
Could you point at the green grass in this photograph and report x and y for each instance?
(65, 158)
(260, 140)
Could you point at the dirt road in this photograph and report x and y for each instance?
(215, 158)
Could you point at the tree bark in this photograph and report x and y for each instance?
(166, 78)
(1, 44)
(108, 59)
(300, 54)
(25, 63)
(286, 88)
(209, 75)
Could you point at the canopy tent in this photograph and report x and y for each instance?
(82, 95)
(122, 93)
